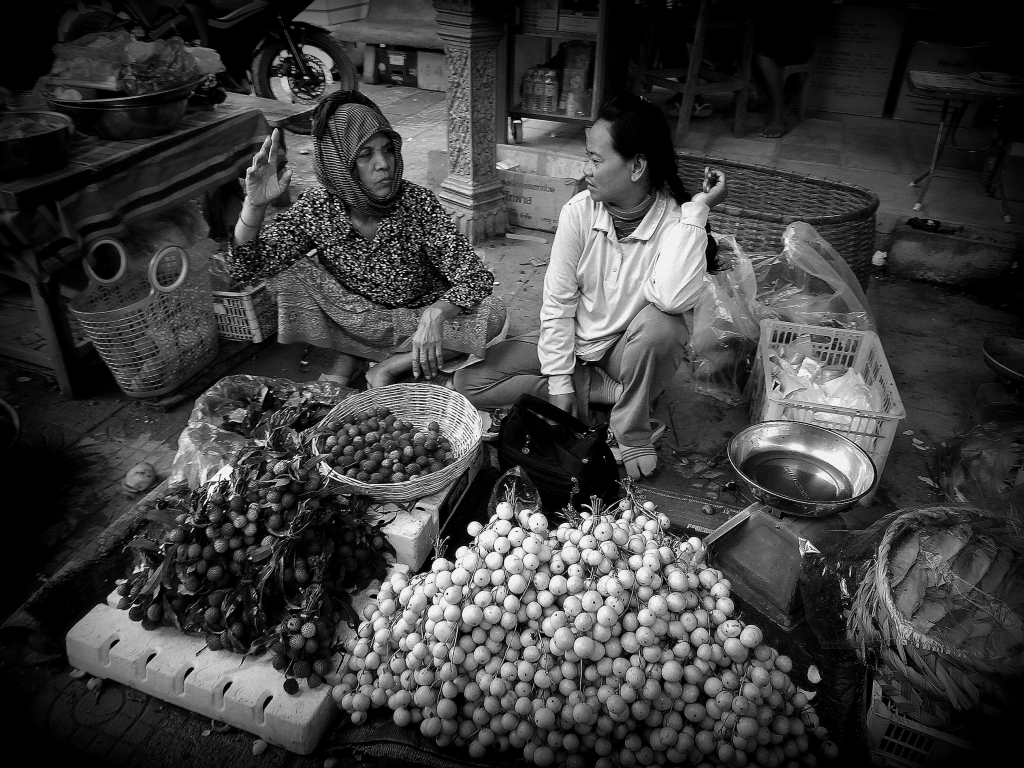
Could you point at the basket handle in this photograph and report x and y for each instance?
(122, 255)
(154, 264)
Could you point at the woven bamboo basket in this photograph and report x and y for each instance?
(763, 201)
(419, 404)
(881, 633)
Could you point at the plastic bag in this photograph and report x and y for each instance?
(985, 467)
(208, 61)
(157, 66)
(810, 283)
(235, 411)
(799, 376)
(725, 327)
(220, 276)
(96, 57)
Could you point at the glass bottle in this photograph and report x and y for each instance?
(550, 91)
(528, 88)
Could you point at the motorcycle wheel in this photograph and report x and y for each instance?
(275, 76)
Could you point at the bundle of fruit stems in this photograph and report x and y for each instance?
(604, 641)
(264, 558)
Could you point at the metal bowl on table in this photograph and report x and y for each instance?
(801, 469)
(33, 142)
(128, 117)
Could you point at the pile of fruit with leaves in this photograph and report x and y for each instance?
(264, 559)
(604, 641)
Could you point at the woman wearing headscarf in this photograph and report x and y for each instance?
(367, 264)
(627, 267)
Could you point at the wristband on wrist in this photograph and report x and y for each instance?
(241, 218)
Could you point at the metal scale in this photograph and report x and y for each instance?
(801, 476)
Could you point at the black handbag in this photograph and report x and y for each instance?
(568, 461)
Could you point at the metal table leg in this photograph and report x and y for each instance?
(940, 144)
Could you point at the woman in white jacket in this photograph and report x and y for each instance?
(627, 265)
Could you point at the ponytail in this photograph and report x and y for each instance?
(639, 127)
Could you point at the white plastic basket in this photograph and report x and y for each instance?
(900, 741)
(861, 350)
(246, 315)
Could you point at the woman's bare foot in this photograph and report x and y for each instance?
(774, 129)
(389, 371)
(345, 368)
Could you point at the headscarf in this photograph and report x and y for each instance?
(342, 123)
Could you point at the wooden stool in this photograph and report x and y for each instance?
(691, 87)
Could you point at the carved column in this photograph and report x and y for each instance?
(472, 192)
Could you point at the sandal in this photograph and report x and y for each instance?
(657, 432)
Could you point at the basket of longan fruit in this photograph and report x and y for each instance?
(399, 442)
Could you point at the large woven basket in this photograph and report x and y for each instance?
(882, 634)
(763, 201)
(419, 404)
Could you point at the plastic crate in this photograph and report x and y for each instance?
(901, 741)
(860, 350)
(247, 316)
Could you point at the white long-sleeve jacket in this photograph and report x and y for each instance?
(596, 284)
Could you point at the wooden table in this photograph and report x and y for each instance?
(961, 90)
(48, 221)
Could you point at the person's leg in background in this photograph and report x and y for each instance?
(771, 73)
(509, 370)
(643, 360)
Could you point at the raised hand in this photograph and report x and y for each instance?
(714, 191)
(262, 184)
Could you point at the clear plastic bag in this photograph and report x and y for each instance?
(235, 411)
(726, 327)
(810, 283)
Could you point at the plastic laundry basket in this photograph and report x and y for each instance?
(153, 327)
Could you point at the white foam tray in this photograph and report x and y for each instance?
(246, 693)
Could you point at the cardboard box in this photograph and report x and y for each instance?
(431, 71)
(577, 23)
(855, 59)
(937, 57)
(396, 66)
(540, 16)
(537, 184)
(326, 12)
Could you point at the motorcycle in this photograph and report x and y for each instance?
(264, 50)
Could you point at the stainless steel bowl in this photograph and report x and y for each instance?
(801, 469)
(38, 152)
(128, 117)
(1005, 356)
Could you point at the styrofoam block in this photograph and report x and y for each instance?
(412, 535)
(244, 692)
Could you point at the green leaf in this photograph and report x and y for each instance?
(261, 553)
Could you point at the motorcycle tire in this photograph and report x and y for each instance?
(333, 69)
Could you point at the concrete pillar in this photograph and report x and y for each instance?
(472, 192)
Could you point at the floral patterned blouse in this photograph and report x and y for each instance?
(417, 257)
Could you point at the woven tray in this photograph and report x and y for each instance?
(763, 201)
(419, 404)
(880, 631)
